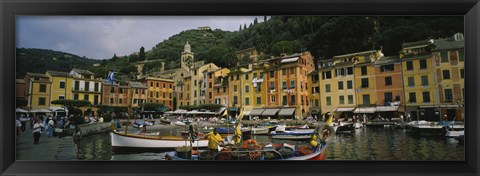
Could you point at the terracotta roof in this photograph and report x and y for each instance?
(58, 73)
(387, 60)
(37, 75)
(83, 72)
(137, 85)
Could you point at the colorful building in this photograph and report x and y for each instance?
(389, 87)
(235, 100)
(20, 90)
(159, 90)
(37, 91)
(184, 96)
(116, 94)
(219, 79)
(449, 57)
(314, 93)
(59, 88)
(251, 53)
(365, 83)
(85, 86)
(138, 93)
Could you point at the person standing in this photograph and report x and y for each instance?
(51, 127)
(213, 140)
(37, 128)
(18, 126)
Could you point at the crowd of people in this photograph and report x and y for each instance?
(41, 124)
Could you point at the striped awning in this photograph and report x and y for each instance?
(286, 112)
(270, 112)
(386, 108)
(257, 112)
(344, 109)
(364, 110)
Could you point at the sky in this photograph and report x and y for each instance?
(100, 37)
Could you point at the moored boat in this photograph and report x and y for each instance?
(344, 127)
(164, 121)
(256, 130)
(121, 140)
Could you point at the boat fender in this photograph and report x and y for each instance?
(248, 143)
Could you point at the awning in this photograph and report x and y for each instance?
(20, 110)
(257, 112)
(449, 106)
(428, 106)
(221, 110)
(246, 113)
(364, 110)
(294, 59)
(344, 109)
(286, 112)
(192, 112)
(269, 112)
(41, 111)
(386, 108)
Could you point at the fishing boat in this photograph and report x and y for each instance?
(165, 121)
(281, 133)
(179, 123)
(255, 130)
(142, 124)
(455, 131)
(344, 127)
(157, 142)
(223, 130)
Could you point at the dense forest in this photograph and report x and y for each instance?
(323, 36)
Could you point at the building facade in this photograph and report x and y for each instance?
(59, 88)
(37, 91)
(159, 90)
(138, 93)
(116, 94)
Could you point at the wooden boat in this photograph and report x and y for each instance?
(292, 135)
(164, 121)
(317, 154)
(121, 140)
(256, 130)
(142, 123)
(344, 127)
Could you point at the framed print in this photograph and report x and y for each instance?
(253, 87)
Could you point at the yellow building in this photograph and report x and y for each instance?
(184, 96)
(314, 93)
(37, 91)
(59, 87)
(220, 86)
(235, 95)
(449, 56)
(85, 86)
(365, 81)
(159, 90)
(420, 81)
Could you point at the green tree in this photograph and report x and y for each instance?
(255, 21)
(282, 47)
(142, 53)
(71, 105)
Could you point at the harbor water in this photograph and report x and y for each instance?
(365, 144)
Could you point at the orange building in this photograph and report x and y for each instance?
(116, 94)
(159, 90)
(388, 75)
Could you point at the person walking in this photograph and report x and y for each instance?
(37, 128)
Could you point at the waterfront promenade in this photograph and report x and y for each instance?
(53, 148)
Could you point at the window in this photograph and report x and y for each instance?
(423, 64)
(238, 77)
(194, 93)
(424, 80)
(349, 70)
(247, 89)
(292, 84)
(62, 85)
(411, 81)
(462, 73)
(461, 54)
(272, 74)
(426, 97)
(120, 90)
(284, 85)
(120, 101)
(254, 75)
(246, 76)
(43, 88)
(234, 88)
(95, 87)
(364, 70)
(349, 84)
(329, 101)
(95, 100)
(413, 97)
(157, 84)
(448, 95)
(446, 74)
(170, 85)
(235, 100)
(231, 78)
(292, 99)
(136, 91)
(151, 94)
(388, 97)
(210, 85)
(272, 98)
(316, 102)
(75, 96)
(41, 101)
(389, 67)
(366, 99)
(341, 99)
(340, 85)
(327, 87)
(143, 91)
(85, 97)
(284, 72)
(284, 100)
(247, 101)
(218, 90)
(163, 94)
(170, 95)
(61, 97)
(194, 82)
(163, 85)
(444, 56)
(339, 72)
(224, 89)
(157, 94)
(259, 100)
(327, 75)
(350, 99)
(364, 82)
(151, 83)
(388, 80)
(292, 71)
(87, 86)
(409, 65)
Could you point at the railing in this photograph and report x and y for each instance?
(86, 90)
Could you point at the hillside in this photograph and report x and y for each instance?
(41, 60)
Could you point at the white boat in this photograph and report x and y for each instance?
(141, 124)
(454, 133)
(358, 125)
(179, 123)
(256, 130)
(292, 135)
(120, 140)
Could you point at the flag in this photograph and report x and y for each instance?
(110, 77)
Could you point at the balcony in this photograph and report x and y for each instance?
(83, 90)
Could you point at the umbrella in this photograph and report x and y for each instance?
(20, 110)
(41, 111)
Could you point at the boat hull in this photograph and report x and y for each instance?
(137, 141)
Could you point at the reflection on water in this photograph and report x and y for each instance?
(364, 144)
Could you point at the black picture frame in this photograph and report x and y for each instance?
(9, 9)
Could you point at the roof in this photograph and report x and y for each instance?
(448, 43)
(83, 72)
(137, 85)
(387, 60)
(105, 81)
(354, 54)
(20, 81)
(58, 73)
(169, 71)
(293, 59)
(37, 75)
(257, 112)
(424, 56)
(416, 43)
(364, 110)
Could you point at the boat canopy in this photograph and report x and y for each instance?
(257, 112)
(344, 109)
(386, 108)
(269, 112)
(364, 110)
(286, 112)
